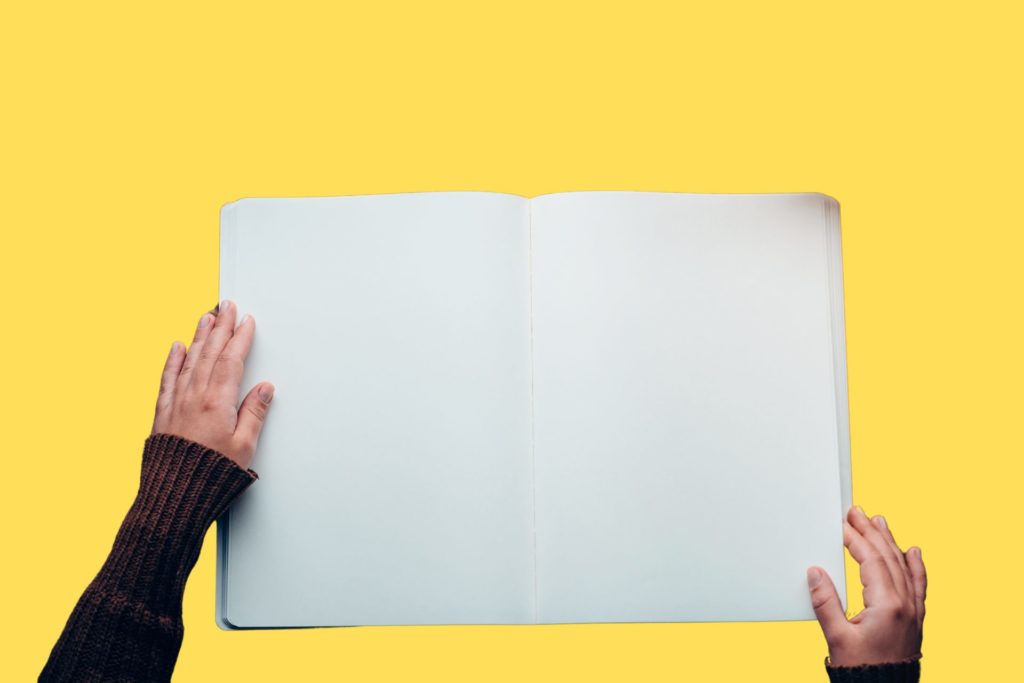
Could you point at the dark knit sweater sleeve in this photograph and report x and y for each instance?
(901, 672)
(127, 626)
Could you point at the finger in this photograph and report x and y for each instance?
(886, 532)
(168, 380)
(869, 531)
(920, 577)
(202, 332)
(825, 601)
(874, 573)
(251, 416)
(227, 371)
(219, 336)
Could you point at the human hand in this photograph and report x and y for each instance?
(888, 629)
(198, 396)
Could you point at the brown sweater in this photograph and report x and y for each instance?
(127, 625)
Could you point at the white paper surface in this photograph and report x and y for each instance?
(685, 456)
(395, 482)
(685, 413)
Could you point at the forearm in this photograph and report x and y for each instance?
(127, 625)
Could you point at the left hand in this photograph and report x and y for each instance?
(198, 397)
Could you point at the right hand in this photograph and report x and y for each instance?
(888, 629)
(198, 396)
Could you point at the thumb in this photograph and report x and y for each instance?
(825, 601)
(251, 415)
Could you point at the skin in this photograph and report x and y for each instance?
(198, 396)
(198, 400)
(889, 627)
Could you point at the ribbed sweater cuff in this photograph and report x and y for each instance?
(899, 672)
(127, 625)
(183, 488)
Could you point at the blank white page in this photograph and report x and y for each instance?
(395, 481)
(686, 422)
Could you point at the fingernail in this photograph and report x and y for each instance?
(245, 319)
(860, 510)
(813, 578)
(205, 320)
(266, 394)
(174, 349)
(225, 305)
(881, 522)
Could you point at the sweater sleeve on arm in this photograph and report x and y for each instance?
(127, 626)
(899, 672)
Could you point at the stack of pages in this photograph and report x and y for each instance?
(581, 407)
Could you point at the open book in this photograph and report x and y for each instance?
(582, 407)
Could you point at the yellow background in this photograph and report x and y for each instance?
(125, 128)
